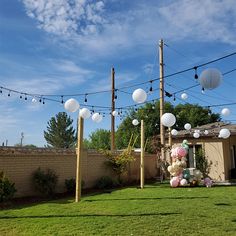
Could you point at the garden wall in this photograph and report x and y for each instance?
(19, 163)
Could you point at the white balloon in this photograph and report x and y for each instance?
(135, 122)
(224, 133)
(196, 135)
(187, 126)
(184, 96)
(168, 119)
(71, 105)
(206, 132)
(85, 113)
(225, 112)
(174, 132)
(210, 78)
(183, 182)
(115, 113)
(139, 95)
(34, 100)
(96, 117)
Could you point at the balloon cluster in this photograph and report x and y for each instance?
(180, 175)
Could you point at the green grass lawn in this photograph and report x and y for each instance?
(155, 210)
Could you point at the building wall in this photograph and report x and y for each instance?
(19, 163)
(215, 152)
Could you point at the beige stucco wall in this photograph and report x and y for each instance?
(19, 164)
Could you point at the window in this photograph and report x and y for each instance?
(233, 157)
(191, 162)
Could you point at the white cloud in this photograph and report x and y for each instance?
(66, 18)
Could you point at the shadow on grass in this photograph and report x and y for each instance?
(222, 204)
(88, 215)
(234, 220)
(156, 198)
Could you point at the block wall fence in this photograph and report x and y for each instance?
(19, 163)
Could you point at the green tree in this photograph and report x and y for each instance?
(60, 132)
(99, 139)
(150, 113)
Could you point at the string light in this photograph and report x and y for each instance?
(9, 94)
(151, 89)
(85, 98)
(62, 101)
(195, 69)
(25, 97)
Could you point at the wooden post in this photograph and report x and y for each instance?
(142, 156)
(112, 109)
(170, 144)
(162, 128)
(79, 158)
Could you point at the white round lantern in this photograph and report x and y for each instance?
(96, 117)
(224, 133)
(168, 119)
(71, 105)
(225, 112)
(187, 126)
(174, 132)
(85, 113)
(210, 78)
(139, 95)
(115, 113)
(135, 122)
(196, 135)
(206, 132)
(184, 96)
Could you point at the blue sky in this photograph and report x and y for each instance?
(66, 47)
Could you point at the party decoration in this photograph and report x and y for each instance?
(185, 144)
(174, 182)
(183, 182)
(135, 122)
(139, 95)
(85, 113)
(184, 96)
(224, 133)
(196, 135)
(210, 78)
(71, 105)
(34, 100)
(174, 132)
(115, 113)
(168, 119)
(208, 182)
(225, 112)
(206, 132)
(187, 126)
(96, 117)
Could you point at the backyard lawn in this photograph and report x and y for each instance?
(155, 210)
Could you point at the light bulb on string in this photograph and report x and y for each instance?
(62, 101)
(203, 90)
(86, 99)
(9, 93)
(43, 101)
(195, 76)
(0, 89)
(34, 100)
(25, 97)
(21, 96)
(174, 97)
(151, 89)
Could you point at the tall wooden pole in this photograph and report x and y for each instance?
(162, 128)
(112, 109)
(170, 144)
(79, 158)
(142, 156)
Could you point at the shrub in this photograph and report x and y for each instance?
(71, 185)
(45, 181)
(7, 189)
(202, 163)
(105, 182)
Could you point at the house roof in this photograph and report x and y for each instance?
(212, 128)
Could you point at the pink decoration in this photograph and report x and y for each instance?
(181, 152)
(183, 182)
(174, 152)
(174, 182)
(208, 182)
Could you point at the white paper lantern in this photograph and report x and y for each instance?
(71, 105)
(196, 135)
(168, 119)
(206, 132)
(135, 122)
(187, 126)
(225, 112)
(85, 113)
(224, 133)
(174, 132)
(210, 78)
(115, 113)
(184, 96)
(139, 95)
(96, 117)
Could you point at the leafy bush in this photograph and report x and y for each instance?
(45, 181)
(71, 185)
(7, 189)
(202, 163)
(105, 182)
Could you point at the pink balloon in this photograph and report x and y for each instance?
(183, 182)
(174, 152)
(208, 182)
(174, 182)
(181, 152)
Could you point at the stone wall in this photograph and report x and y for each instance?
(19, 163)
